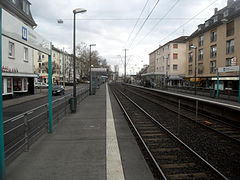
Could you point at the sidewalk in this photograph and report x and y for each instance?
(82, 147)
(75, 150)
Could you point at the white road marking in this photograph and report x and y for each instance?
(113, 160)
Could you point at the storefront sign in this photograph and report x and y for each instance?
(22, 33)
(229, 69)
(10, 70)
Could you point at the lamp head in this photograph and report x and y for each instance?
(79, 10)
(92, 44)
(60, 21)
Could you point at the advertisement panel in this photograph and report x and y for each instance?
(229, 69)
(17, 30)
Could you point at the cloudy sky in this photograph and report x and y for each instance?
(110, 25)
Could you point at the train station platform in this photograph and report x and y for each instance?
(95, 143)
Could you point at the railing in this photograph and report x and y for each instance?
(223, 94)
(21, 131)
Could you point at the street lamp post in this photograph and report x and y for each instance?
(166, 76)
(195, 70)
(74, 99)
(90, 71)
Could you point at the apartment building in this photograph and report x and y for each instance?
(18, 42)
(41, 66)
(167, 63)
(216, 43)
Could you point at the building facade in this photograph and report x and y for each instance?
(167, 64)
(18, 48)
(216, 44)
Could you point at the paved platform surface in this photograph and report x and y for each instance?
(77, 149)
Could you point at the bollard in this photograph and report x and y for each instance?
(26, 132)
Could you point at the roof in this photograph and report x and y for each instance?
(181, 39)
(234, 11)
(17, 10)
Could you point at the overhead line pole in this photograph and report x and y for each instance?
(125, 64)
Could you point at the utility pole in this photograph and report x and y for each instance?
(125, 64)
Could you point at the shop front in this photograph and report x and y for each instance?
(14, 84)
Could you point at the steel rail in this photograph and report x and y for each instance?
(180, 141)
(192, 119)
(142, 141)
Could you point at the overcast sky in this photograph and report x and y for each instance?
(109, 23)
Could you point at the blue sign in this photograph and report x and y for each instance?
(24, 33)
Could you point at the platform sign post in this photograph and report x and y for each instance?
(2, 155)
(50, 121)
(217, 83)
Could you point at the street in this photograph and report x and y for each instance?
(12, 111)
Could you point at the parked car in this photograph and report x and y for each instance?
(40, 85)
(58, 90)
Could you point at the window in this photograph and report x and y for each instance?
(190, 57)
(175, 46)
(200, 41)
(215, 19)
(230, 47)
(43, 56)
(190, 70)
(169, 46)
(25, 84)
(9, 85)
(206, 23)
(213, 52)
(229, 62)
(200, 68)
(25, 55)
(212, 66)
(175, 67)
(225, 13)
(213, 36)
(230, 28)
(190, 45)
(25, 7)
(175, 55)
(11, 50)
(200, 54)
(17, 84)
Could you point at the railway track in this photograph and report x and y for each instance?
(230, 131)
(171, 158)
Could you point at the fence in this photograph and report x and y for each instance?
(231, 95)
(21, 131)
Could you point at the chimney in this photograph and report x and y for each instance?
(215, 11)
(229, 2)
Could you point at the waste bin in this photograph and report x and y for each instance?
(73, 104)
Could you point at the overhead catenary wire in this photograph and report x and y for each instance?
(144, 23)
(137, 22)
(187, 21)
(129, 19)
(163, 17)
